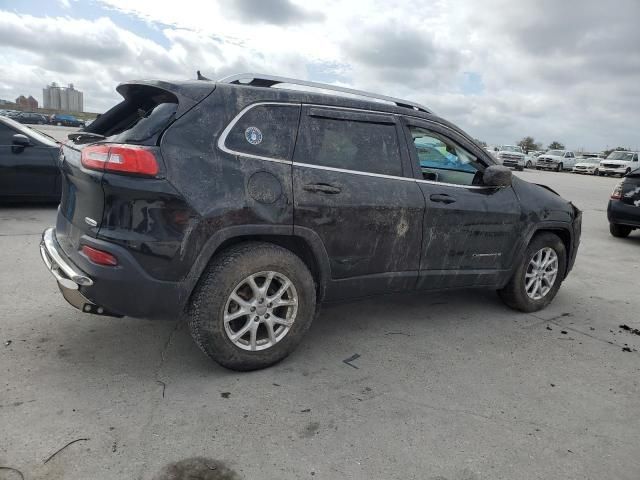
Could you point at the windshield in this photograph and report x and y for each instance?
(510, 148)
(557, 153)
(30, 132)
(627, 156)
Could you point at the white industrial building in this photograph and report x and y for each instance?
(66, 99)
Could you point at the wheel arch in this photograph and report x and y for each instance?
(303, 242)
(564, 233)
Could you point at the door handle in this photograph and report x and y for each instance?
(442, 198)
(321, 188)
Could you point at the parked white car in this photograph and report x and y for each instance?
(587, 165)
(510, 156)
(619, 163)
(556, 160)
(531, 159)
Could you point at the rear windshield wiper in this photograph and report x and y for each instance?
(85, 137)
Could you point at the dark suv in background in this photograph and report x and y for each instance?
(245, 206)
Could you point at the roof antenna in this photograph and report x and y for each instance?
(202, 77)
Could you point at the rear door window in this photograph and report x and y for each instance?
(351, 141)
(266, 131)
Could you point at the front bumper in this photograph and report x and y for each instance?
(589, 170)
(612, 171)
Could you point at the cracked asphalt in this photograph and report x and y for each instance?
(447, 386)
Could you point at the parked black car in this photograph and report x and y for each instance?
(246, 206)
(65, 120)
(30, 117)
(623, 211)
(28, 163)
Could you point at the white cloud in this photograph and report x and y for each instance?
(555, 70)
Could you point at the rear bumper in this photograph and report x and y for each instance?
(124, 290)
(622, 213)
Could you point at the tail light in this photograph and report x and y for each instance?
(99, 256)
(617, 192)
(120, 158)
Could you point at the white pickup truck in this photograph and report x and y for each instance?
(510, 156)
(556, 160)
(619, 163)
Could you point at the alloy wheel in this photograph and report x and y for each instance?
(541, 273)
(260, 311)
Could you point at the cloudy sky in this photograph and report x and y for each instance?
(501, 69)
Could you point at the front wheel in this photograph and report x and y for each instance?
(529, 164)
(559, 167)
(619, 231)
(252, 306)
(537, 278)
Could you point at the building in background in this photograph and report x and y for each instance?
(27, 103)
(67, 99)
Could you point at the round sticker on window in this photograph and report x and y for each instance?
(253, 135)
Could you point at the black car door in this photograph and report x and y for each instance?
(470, 230)
(353, 188)
(26, 171)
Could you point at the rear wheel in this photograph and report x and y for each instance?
(537, 279)
(252, 306)
(619, 231)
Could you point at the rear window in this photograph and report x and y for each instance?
(139, 119)
(146, 123)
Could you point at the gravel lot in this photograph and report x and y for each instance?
(448, 386)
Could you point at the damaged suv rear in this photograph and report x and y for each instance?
(244, 206)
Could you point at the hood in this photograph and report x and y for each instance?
(552, 157)
(586, 164)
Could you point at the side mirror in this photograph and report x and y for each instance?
(497, 176)
(20, 140)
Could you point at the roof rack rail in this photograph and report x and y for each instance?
(259, 80)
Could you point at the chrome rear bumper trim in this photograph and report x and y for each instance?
(64, 273)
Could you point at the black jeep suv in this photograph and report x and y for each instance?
(244, 206)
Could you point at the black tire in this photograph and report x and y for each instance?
(559, 167)
(619, 231)
(626, 172)
(519, 168)
(600, 174)
(596, 172)
(538, 168)
(529, 164)
(514, 293)
(224, 273)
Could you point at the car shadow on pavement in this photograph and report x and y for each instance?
(143, 349)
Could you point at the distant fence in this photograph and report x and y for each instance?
(47, 111)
